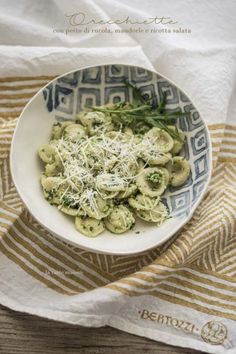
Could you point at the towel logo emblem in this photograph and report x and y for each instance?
(214, 332)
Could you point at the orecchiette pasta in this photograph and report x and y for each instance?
(71, 211)
(74, 132)
(110, 182)
(89, 226)
(104, 173)
(119, 220)
(152, 181)
(95, 121)
(178, 144)
(53, 188)
(58, 129)
(179, 171)
(47, 153)
(132, 189)
(94, 206)
(157, 214)
(160, 139)
(143, 202)
(52, 169)
(155, 157)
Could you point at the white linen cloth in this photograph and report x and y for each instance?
(202, 63)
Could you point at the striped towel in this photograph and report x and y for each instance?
(182, 293)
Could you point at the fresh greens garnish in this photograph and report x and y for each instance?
(118, 110)
(137, 96)
(50, 195)
(69, 202)
(143, 110)
(162, 104)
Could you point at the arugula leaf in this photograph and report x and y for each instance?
(122, 111)
(162, 104)
(173, 134)
(164, 116)
(137, 96)
(143, 111)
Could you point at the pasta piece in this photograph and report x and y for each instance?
(158, 214)
(165, 174)
(162, 140)
(54, 188)
(117, 135)
(56, 131)
(74, 132)
(47, 153)
(89, 226)
(52, 169)
(110, 182)
(141, 165)
(152, 181)
(141, 128)
(119, 220)
(50, 183)
(125, 167)
(71, 211)
(154, 157)
(177, 143)
(179, 169)
(143, 202)
(68, 211)
(177, 147)
(95, 122)
(137, 139)
(93, 157)
(58, 128)
(128, 131)
(107, 194)
(128, 192)
(94, 206)
(113, 135)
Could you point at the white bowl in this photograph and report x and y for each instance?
(61, 99)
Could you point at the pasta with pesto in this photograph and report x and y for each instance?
(106, 172)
